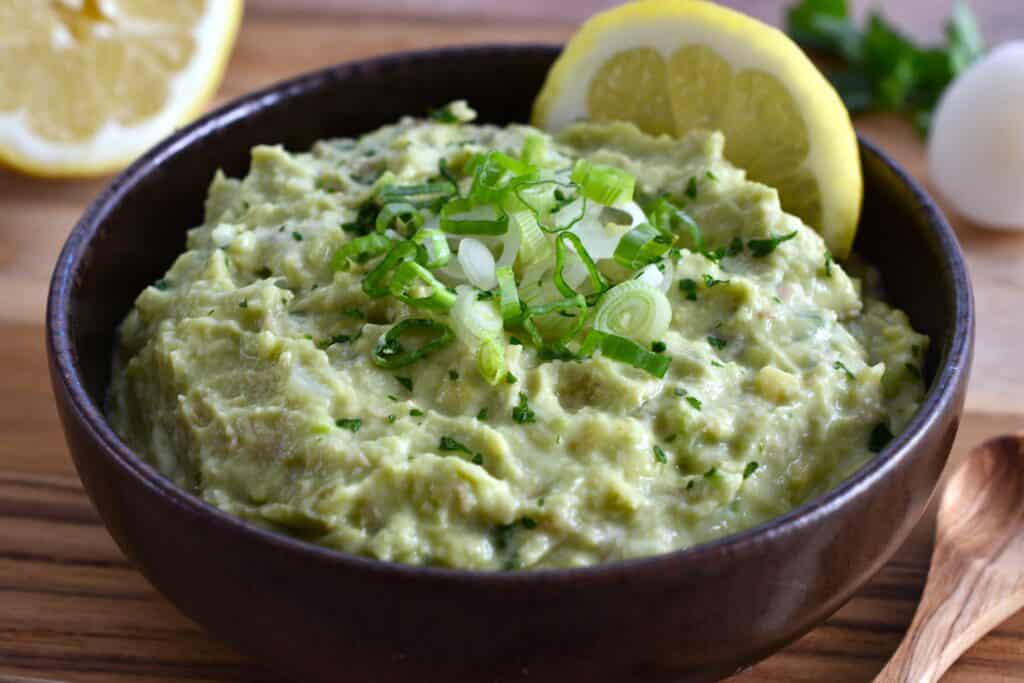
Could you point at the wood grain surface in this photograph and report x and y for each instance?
(71, 607)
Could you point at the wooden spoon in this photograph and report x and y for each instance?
(977, 574)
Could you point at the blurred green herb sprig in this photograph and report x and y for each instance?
(885, 70)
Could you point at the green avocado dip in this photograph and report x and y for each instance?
(472, 346)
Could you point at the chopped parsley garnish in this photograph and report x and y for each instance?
(405, 382)
(522, 413)
(750, 469)
(392, 397)
(689, 288)
(297, 236)
(710, 282)
(717, 342)
(694, 402)
(735, 247)
(161, 284)
(880, 437)
(449, 443)
(453, 375)
(510, 378)
(711, 473)
(679, 391)
(515, 341)
(828, 263)
(443, 115)
(485, 295)
(415, 412)
(244, 303)
(477, 459)
(839, 365)
(659, 455)
(540, 502)
(658, 347)
(482, 415)
(354, 313)
(391, 418)
(691, 188)
(913, 370)
(352, 424)
(710, 176)
(761, 248)
(528, 522)
(717, 364)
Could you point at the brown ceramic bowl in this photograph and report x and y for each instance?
(319, 615)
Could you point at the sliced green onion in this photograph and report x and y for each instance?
(642, 245)
(475, 319)
(408, 275)
(360, 249)
(493, 175)
(669, 219)
(425, 195)
(511, 309)
(557, 206)
(446, 173)
(625, 350)
(534, 245)
(604, 184)
(403, 216)
(597, 280)
(463, 217)
(479, 326)
(376, 282)
(391, 353)
(534, 149)
(634, 309)
(435, 247)
(577, 303)
(490, 360)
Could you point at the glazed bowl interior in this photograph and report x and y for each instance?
(137, 227)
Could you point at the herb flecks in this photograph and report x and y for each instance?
(449, 443)
(688, 287)
(762, 247)
(750, 469)
(659, 455)
(839, 365)
(352, 424)
(522, 413)
(443, 115)
(717, 342)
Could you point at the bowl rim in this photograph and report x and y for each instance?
(953, 363)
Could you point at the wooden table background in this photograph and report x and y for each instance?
(71, 607)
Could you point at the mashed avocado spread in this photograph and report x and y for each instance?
(472, 346)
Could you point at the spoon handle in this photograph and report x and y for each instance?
(956, 611)
(977, 575)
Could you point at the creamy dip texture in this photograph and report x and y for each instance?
(258, 373)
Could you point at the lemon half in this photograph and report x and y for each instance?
(671, 66)
(88, 85)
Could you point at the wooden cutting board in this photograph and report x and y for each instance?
(71, 607)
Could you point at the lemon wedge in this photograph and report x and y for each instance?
(670, 66)
(88, 85)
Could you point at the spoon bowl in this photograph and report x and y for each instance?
(977, 576)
